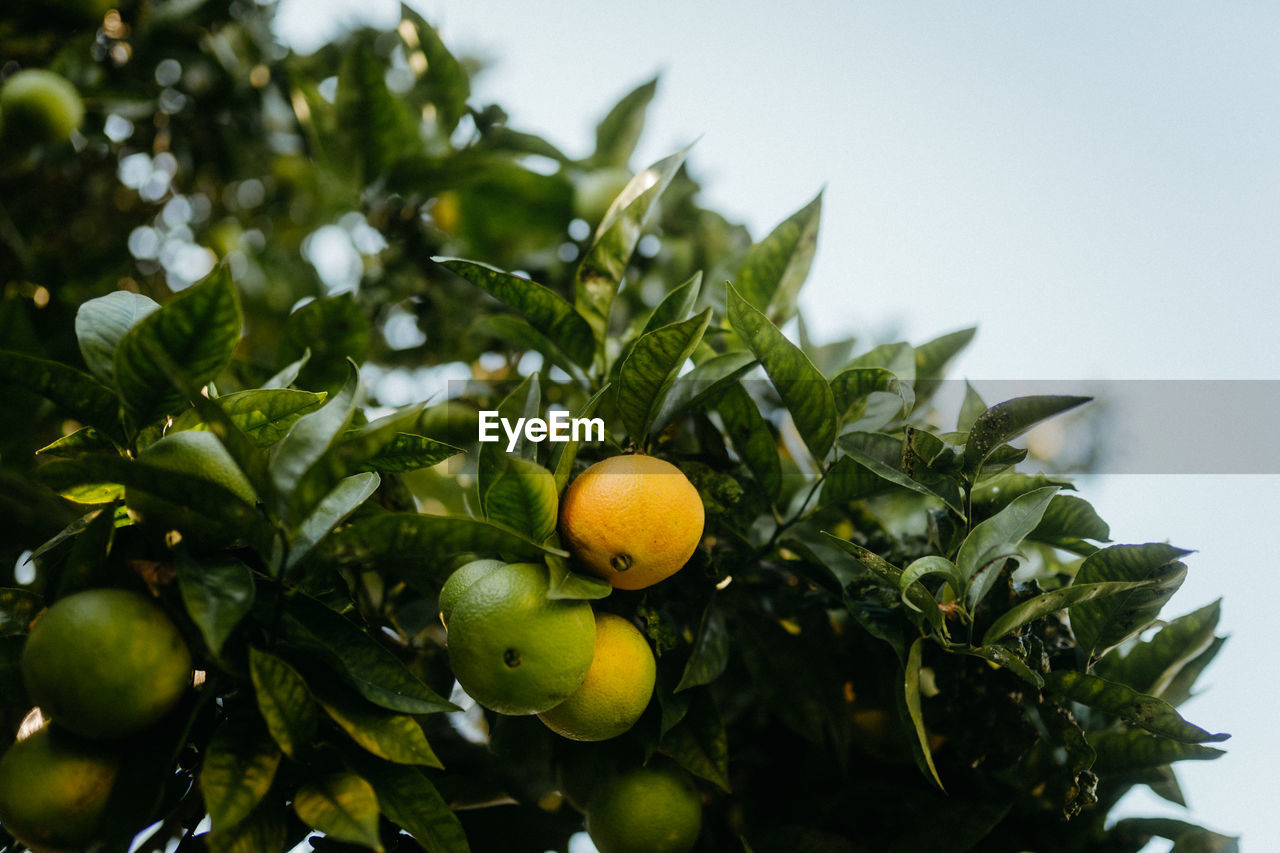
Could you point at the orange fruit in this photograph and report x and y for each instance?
(105, 663)
(513, 649)
(617, 687)
(652, 809)
(633, 520)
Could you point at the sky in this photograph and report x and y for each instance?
(1095, 185)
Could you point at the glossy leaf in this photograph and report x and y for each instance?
(602, 269)
(1150, 666)
(775, 269)
(1139, 709)
(1125, 751)
(238, 768)
(704, 382)
(1042, 605)
(1006, 659)
(932, 359)
(82, 441)
(566, 583)
(676, 305)
(524, 497)
(882, 456)
(619, 131)
(263, 415)
(651, 368)
(333, 330)
(886, 573)
(752, 438)
(198, 330)
(911, 692)
(970, 409)
(803, 390)
(1069, 517)
(1006, 421)
(306, 444)
(1181, 687)
(396, 737)
(924, 567)
(710, 654)
(699, 743)
(333, 509)
(218, 593)
(409, 800)
(102, 322)
(342, 806)
(284, 702)
(569, 449)
(998, 538)
(1101, 624)
(545, 309)
(409, 452)
(75, 392)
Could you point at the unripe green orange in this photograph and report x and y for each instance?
(39, 107)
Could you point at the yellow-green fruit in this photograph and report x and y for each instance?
(653, 809)
(617, 687)
(54, 789)
(460, 581)
(513, 649)
(105, 663)
(192, 453)
(40, 106)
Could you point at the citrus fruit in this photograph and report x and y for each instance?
(632, 520)
(54, 789)
(652, 809)
(40, 106)
(105, 663)
(514, 650)
(192, 453)
(461, 580)
(617, 687)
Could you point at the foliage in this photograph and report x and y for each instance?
(892, 637)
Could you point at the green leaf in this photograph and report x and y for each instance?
(312, 629)
(75, 392)
(1187, 837)
(970, 409)
(569, 449)
(1151, 666)
(545, 309)
(524, 497)
(1139, 709)
(882, 456)
(218, 593)
(1006, 421)
(803, 390)
(83, 441)
(698, 742)
(710, 653)
(925, 567)
(333, 509)
(379, 125)
(445, 82)
(1126, 751)
(239, 766)
(102, 322)
(651, 368)
(1099, 625)
(409, 452)
(619, 131)
(1067, 518)
(342, 806)
(932, 359)
(198, 330)
(704, 382)
(304, 447)
(1050, 602)
(602, 269)
(1004, 658)
(332, 329)
(676, 305)
(284, 702)
(998, 538)
(395, 737)
(872, 396)
(1180, 687)
(889, 575)
(566, 583)
(752, 438)
(264, 831)
(409, 800)
(17, 608)
(911, 693)
(525, 401)
(287, 375)
(774, 269)
(263, 415)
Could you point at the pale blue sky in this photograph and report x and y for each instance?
(1096, 185)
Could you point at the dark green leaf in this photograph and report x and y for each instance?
(218, 593)
(17, 608)
(1069, 517)
(710, 653)
(1181, 687)
(601, 272)
(970, 409)
(524, 497)
(1050, 602)
(545, 309)
(752, 438)
(264, 831)
(1101, 624)
(882, 456)
(82, 441)
(305, 446)
(885, 572)
(932, 359)
(998, 538)
(619, 131)
(379, 124)
(651, 368)
(410, 801)
(566, 583)
(409, 452)
(316, 631)
(676, 305)
(699, 743)
(239, 766)
(333, 509)
(1147, 712)
(342, 806)
(284, 702)
(332, 329)
(802, 388)
(102, 322)
(911, 692)
(445, 82)
(702, 383)
(75, 392)
(395, 737)
(263, 415)
(1006, 421)
(523, 402)
(197, 330)
(569, 449)
(858, 392)
(776, 267)
(1126, 751)
(1002, 657)
(1151, 666)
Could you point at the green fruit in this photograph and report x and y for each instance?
(191, 453)
(460, 581)
(54, 789)
(513, 649)
(652, 809)
(40, 107)
(105, 663)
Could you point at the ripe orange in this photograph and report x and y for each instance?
(513, 649)
(105, 663)
(652, 809)
(617, 687)
(633, 520)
